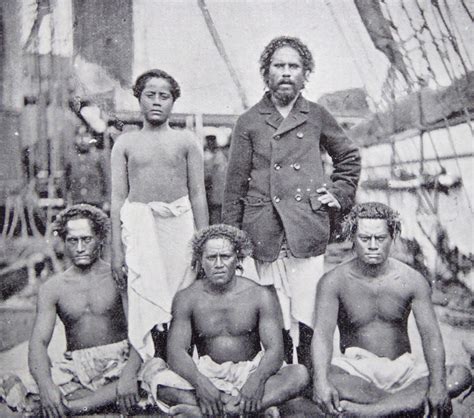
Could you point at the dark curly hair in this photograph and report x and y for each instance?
(239, 240)
(140, 84)
(281, 41)
(99, 221)
(371, 210)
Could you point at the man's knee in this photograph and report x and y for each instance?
(459, 378)
(166, 394)
(353, 388)
(79, 394)
(174, 396)
(303, 375)
(298, 376)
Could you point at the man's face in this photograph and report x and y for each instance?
(285, 76)
(82, 244)
(372, 241)
(219, 261)
(156, 101)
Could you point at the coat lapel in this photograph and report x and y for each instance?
(297, 116)
(266, 107)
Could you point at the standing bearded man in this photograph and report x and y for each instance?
(276, 189)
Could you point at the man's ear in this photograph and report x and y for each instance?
(306, 74)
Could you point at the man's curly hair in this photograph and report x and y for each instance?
(239, 240)
(140, 84)
(371, 210)
(281, 41)
(99, 221)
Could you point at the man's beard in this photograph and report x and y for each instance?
(284, 97)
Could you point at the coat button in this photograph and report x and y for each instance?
(300, 135)
(298, 197)
(276, 166)
(276, 199)
(296, 166)
(277, 137)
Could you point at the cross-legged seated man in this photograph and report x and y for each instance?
(89, 304)
(369, 298)
(235, 325)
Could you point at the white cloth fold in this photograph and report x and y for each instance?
(156, 237)
(388, 375)
(228, 377)
(295, 281)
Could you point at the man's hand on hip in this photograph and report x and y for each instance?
(327, 198)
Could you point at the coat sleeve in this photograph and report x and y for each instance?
(345, 158)
(238, 174)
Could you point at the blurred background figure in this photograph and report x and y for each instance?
(215, 168)
(87, 177)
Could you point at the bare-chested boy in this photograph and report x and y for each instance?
(158, 199)
(89, 304)
(369, 298)
(229, 318)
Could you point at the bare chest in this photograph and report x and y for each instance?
(161, 157)
(366, 302)
(237, 319)
(78, 301)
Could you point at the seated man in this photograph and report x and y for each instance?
(369, 298)
(89, 304)
(229, 319)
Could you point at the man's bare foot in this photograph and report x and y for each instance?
(185, 410)
(272, 412)
(378, 409)
(71, 407)
(352, 409)
(231, 404)
(32, 406)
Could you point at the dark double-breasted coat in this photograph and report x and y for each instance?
(275, 168)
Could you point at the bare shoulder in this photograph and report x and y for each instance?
(186, 135)
(126, 140)
(105, 273)
(337, 277)
(247, 284)
(188, 139)
(250, 289)
(51, 289)
(411, 278)
(185, 297)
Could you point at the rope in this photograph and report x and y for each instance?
(451, 37)
(353, 57)
(366, 55)
(400, 42)
(457, 31)
(442, 55)
(468, 12)
(451, 141)
(433, 75)
(7, 216)
(220, 47)
(420, 41)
